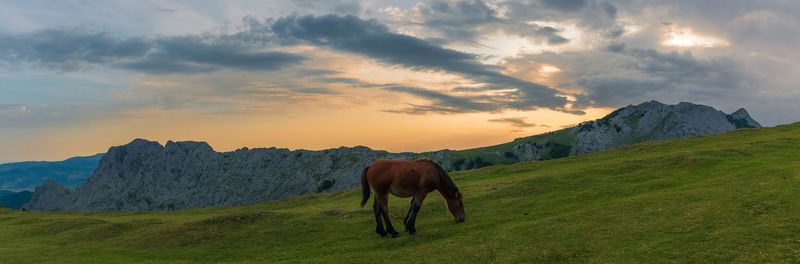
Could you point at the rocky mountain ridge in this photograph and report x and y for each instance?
(144, 175)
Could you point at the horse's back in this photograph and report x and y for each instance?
(401, 177)
(401, 166)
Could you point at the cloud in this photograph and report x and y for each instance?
(466, 22)
(622, 75)
(13, 108)
(71, 50)
(249, 50)
(68, 50)
(196, 55)
(372, 39)
(514, 121)
(565, 5)
(616, 66)
(15, 116)
(443, 103)
(589, 14)
(456, 20)
(314, 90)
(330, 6)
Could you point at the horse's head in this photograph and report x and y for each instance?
(455, 205)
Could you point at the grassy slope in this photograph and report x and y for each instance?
(498, 154)
(721, 198)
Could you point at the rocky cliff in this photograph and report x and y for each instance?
(144, 175)
(50, 196)
(654, 121)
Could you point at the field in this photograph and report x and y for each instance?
(733, 197)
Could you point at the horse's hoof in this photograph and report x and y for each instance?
(412, 232)
(383, 234)
(395, 235)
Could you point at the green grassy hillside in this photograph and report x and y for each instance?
(723, 198)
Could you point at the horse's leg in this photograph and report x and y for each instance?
(410, 207)
(415, 205)
(383, 201)
(376, 208)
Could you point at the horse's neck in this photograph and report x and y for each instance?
(446, 189)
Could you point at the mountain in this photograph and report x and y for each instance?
(14, 200)
(727, 198)
(71, 172)
(144, 175)
(628, 125)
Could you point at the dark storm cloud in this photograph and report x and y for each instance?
(592, 14)
(616, 47)
(330, 6)
(565, 5)
(556, 39)
(195, 55)
(610, 9)
(371, 39)
(70, 50)
(457, 20)
(514, 121)
(466, 21)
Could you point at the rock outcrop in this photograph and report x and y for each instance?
(530, 151)
(145, 176)
(50, 196)
(654, 121)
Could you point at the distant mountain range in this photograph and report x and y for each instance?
(144, 175)
(14, 200)
(72, 172)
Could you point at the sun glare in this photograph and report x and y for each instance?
(549, 69)
(678, 36)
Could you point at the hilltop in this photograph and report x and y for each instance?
(144, 175)
(717, 198)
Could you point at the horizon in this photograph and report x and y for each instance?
(164, 142)
(400, 76)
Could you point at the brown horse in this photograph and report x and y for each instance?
(407, 179)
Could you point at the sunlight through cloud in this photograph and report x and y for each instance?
(678, 36)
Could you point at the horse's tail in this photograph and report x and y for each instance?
(364, 187)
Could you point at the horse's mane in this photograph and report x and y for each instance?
(442, 174)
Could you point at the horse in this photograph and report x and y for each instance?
(405, 178)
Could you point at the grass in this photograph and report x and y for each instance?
(720, 198)
(558, 141)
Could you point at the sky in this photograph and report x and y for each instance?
(77, 77)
